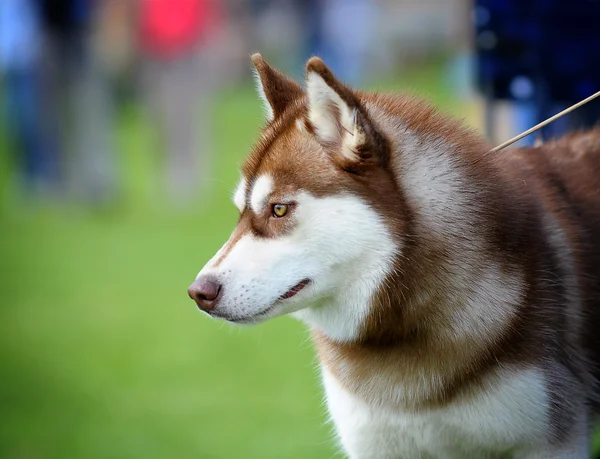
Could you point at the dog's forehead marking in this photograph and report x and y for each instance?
(239, 197)
(262, 188)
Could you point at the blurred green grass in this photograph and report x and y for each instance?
(104, 356)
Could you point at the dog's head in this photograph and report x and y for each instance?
(319, 222)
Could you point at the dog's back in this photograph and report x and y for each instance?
(563, 177)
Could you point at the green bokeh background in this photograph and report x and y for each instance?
(102, 353)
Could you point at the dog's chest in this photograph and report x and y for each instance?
(510, 415)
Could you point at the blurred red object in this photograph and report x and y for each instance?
(171, 27)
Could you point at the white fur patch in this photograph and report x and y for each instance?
(434, 185)
(354, 238)
(269, 114)
(509, 414)
(239, 197)
(262, 188)
(351, 141)
(321, 97)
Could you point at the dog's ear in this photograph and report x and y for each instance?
(274, 88)
(339, 120)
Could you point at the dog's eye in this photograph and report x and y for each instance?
(280, 210)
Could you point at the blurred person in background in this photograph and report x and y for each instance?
(176, 38)
(77, 98)
(347, 37)
(20, 50)
(342, 33)
(115, 45)
(541, 56)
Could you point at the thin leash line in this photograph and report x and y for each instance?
(544, 123)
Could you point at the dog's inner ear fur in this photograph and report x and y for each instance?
(338, 120)
(274, 88)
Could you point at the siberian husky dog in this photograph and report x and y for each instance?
(453, 294)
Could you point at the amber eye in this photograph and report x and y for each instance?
(280, 210)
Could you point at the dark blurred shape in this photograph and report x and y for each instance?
(542, 56)
(77, 98)
(20, 50)
(175, 37)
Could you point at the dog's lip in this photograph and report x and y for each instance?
(295, 289)
(256, 317)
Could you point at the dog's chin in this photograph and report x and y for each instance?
(253, 319)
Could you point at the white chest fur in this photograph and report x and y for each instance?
(508, 415)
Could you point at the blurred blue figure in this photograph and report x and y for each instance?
(348, 30)
(341, 32)
(20, 41)
(542, 56)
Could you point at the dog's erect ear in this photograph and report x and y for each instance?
(339, 120)
(275, 89)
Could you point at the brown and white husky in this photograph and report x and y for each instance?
(453, 294)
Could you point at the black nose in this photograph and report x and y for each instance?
(206, 292)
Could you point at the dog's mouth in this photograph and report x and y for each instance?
(295, 289)
(262, 314)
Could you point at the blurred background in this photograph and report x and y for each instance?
(122, 126)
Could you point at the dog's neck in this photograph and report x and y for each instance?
(447, 269)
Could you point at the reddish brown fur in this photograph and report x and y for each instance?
(282, 90)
